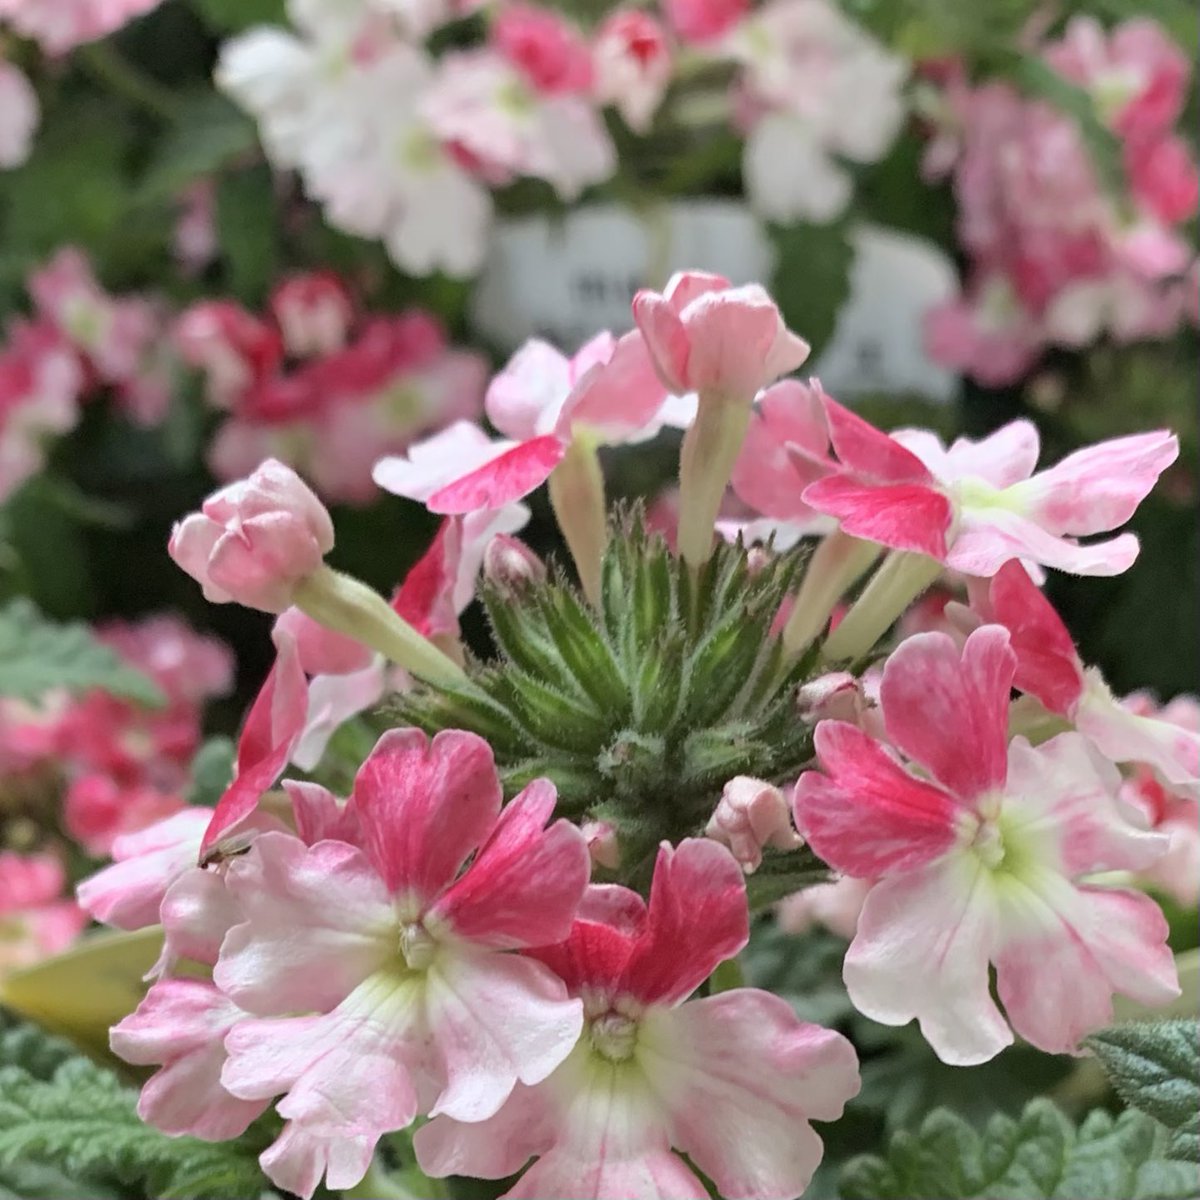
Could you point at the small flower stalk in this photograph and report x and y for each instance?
(508, 891)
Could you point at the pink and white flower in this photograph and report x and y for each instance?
(19, 114)
(403, 963)
(976, 505)
(254, 541)
(702, 22)
(314, 313)
(984, 857)
(36, 918)
(233, 348)
(61, 25)
(731, 1080)
(631, 65)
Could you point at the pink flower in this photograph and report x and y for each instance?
(730, 1080)
(549, 53)
(314, 313)
(253, 541)
(976, 505)
(631, 64)
(1048, 667)
(37, 921)
(510, 565)
(704, 335)
(704, 21)
(194, 240)
(402, 960)
(1164, 178)
(19, 114)
(837, 906)
(751, 815)
(1137, 76)
(98, 809)
(234, 348)
(61, 25)
(983, 858)
(189, 667)
(538, 402)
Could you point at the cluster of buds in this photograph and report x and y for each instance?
(510, 924)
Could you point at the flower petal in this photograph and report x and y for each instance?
(524, 885)
(511, 474)
(424, 806)
(922, 950)
(905, 516)
(867, 815)
(949, 711)
(742, 1076)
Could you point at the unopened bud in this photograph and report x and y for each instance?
(509, 564)
(752, 814)
(836, 696)
(758, 558)
(602, 844)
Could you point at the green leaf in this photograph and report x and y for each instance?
(232, 16)
(1039, 1156)
(207, 134)
(812, 278)
(1155, 1067)
(37, 656)
(30, 1048)
(212, 769)
(76, 1130)
(246, 229)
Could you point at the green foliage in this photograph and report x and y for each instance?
(1039, 1156)
(37, 656)
(640, 712)
(1155, 1067)
(812, 277)
(232, 16)
(70, 1128)
(212, 770)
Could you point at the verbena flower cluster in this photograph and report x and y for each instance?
(513, 927)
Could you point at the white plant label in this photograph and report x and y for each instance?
(566, 279)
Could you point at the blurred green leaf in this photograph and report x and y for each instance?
(812, 277)
(246, 231)
(208, 133)
(232, 16)
(211, 771)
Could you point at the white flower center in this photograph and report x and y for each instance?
(416, 946)
(614, 1036)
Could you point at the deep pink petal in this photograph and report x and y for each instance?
(595, 953)
(867, 816)
(696, 919)
(742, 1077)
(317, 921)
(1048, 666)
(949, 712)
(524, 885)
(503, 479)
(903, 516)
(1056, 976)
(424, 806)
(319, 815)
(274, 723)
(869, 452)
(922, 950)
(1099, 487)
(495, 1019)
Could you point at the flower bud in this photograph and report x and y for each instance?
(313, 312)
(602, 844)
(837, 696)
(254, 541)
(752, 814)
(510, 565)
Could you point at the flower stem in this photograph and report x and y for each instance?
(346, 605)
(710, 449)
(577, 497)
(836, 565)
(104, 64)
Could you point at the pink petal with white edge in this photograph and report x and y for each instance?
(741, 1077)
(514, 472)
(653, 1173)
(922, 950)
(524, 885)
(1099, 487)
(524, 399)
(988, 537)
(904, 516)
(181, 1023)
(1048, 666)
(1124, 736)
(616, 400)
(1063, 793)
(1057, 977)
(948, 710)
(696, 919)
(496, 1019)
(273, 725)
(317, 922)
(438, 460)
(492, 1148)
(867, 815)
(424, 806)
(127, 895)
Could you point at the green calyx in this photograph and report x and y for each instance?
(641, 711)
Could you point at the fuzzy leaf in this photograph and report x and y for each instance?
(1038, 1156)
(81, 1123)
(38, 656)
(1155, 1067)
